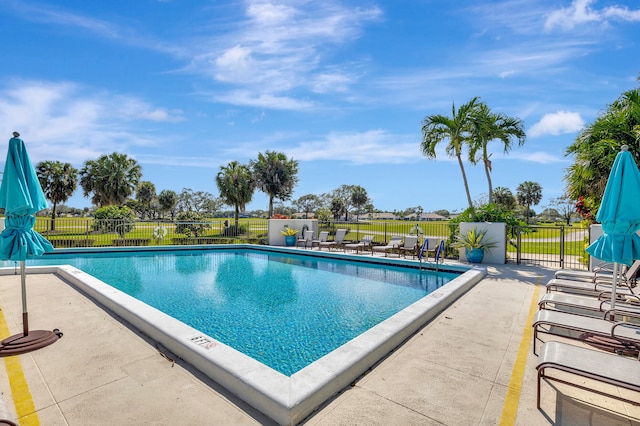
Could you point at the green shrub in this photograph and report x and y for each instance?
(191, 224)
(233, 230)
(114, 219)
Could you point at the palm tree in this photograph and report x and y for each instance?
(236, 186)
(359, 199)
(457, 129)
(145, 195)
(597, 145)
(488, 126)
(58, 181)
(168, 200)
(111, 178)
(504, 197)
(528, 193)
(275, 175)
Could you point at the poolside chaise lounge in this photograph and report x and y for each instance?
(363, 244)
(432, 245)
(307, 237)
(393, 245)
(624, 284)
(338, 241)
(410, 245)
(324, 235)
(602, 272)
(547, 321)
(590, 306)
(591, 364)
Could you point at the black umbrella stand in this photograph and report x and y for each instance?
(28, 340)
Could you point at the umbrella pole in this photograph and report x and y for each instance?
(613, 290)
(25, 315)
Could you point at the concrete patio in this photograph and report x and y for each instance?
(472, 365)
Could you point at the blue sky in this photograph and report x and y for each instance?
(339, 85)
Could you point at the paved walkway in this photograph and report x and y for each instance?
(472, 365)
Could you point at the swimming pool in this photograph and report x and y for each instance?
(303, 385)
(285, 311)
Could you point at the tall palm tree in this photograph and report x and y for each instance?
(111, 178)
(528, 193)
(58, 181)
(489, 126)
(275, 175)
(456, 129)
(236, 185)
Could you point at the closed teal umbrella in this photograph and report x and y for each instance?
(21, 196)
(619, 214)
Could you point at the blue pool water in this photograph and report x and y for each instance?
(283, 310)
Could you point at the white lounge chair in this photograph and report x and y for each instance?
(393, 244)
(590, 306)
(432, 244)
(624, 284)
(363, 244)
(322, 238)
(566, 325)
(591, 364)
(603, 271)
(307, 237)
(337, 242)
(410, 245)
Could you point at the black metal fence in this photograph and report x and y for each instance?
(555, 246)
(88, 232)
(558, 246)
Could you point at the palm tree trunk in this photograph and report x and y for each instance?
(236, 215)
(488, 173)
(270, 206)
(464, 178)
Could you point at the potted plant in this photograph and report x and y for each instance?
(289, 235)
(475, 244)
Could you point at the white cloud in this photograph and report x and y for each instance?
(557, 123)
(262, 100)
(538, 157)
(280, 48)
(66, 122)
(580, 12)
(370, 147)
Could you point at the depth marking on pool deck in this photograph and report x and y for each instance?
(510, 408)
(22, 400)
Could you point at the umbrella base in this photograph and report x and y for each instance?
(36, 339)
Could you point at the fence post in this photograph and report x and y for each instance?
(562, 247)
(519, 245)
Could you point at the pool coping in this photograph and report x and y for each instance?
(286, 400)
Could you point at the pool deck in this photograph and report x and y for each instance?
(471, 365)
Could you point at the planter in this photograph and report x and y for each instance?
(290, 240)
(474, 255)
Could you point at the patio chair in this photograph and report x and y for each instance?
(393, 245)
(624, 284)
(338, 241)
(432, 247)
(591, 364)
(410, 246)
(364, 243)
(590, 306)
(307, 237)
(624, 334)
(602, 272)
(324, 235)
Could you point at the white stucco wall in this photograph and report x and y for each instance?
(495, 232)
(277, 225)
